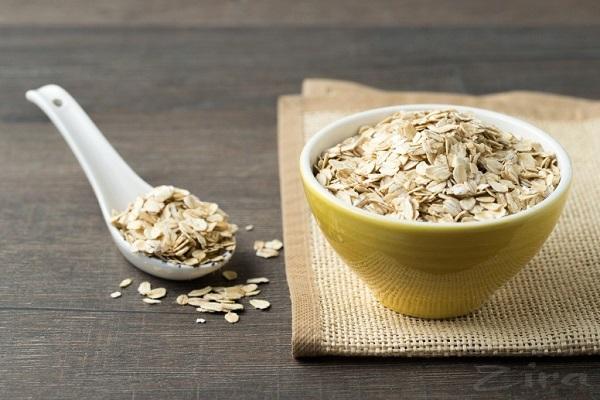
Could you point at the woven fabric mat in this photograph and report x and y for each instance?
(552, 307)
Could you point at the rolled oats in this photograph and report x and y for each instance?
(144, 288)
(260, 304)
(274, 244)
(267, 253)
(182, 300)
(232, 317)
(175, 226)
(219, 299)
(125, 282)
(230, 275)
(268, 249)
(195, 301)
(232, 306)
(437, 166)
(212, 306)
(251, 287)
(258, 280)
(157, 293)
(200, 292)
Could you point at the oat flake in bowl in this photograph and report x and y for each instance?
(438, 166)
(171, 224)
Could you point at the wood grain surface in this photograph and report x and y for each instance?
(186, 92)
(214, 13)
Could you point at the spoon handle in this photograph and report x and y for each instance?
(113, 181)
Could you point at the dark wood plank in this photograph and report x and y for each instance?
(159, 70)
(433, 13)
(196, 108)
(94, 354)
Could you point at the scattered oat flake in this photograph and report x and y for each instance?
(200, 292)
(157, 293)
(267, 249)
(232, 317)
(182, 300)
(212, 306)
(125, 282)
(258, 280)
(195, 301)
(230, 275)
(200, 321)
(274, 244)
(233, 293)
(144, 288)
(151, 301)
(213, 296)
(224, 299)
(232, 307)
(115, 295)
(260, 304)
(267, 253)
(251, 287)
(249, 227)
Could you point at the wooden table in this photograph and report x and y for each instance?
(186, 92)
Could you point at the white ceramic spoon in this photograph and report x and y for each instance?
(113, 181)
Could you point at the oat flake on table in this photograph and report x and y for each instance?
(268, 249)
(125, 282)
(225, 299)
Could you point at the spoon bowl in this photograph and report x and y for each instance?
(113, 181)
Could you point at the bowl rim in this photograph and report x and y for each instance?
(310, 180)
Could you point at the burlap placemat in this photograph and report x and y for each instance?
(551, 307)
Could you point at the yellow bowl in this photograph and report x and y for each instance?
(425, 269)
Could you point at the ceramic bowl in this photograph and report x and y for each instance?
(426, 269)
